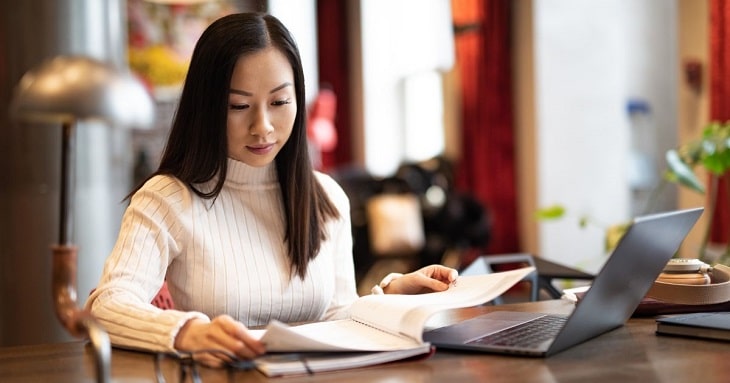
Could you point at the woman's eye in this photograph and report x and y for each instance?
(238, 106)
(281, 102)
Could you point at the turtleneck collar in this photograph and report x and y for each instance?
(241, 174)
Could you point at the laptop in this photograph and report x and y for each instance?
(625, 278)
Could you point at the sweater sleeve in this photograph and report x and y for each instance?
(154, 228)
(345, 291)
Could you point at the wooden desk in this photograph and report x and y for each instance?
(632, 353)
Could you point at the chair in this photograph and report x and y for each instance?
(162, 300)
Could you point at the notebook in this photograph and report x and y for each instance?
(697, 325)
(616, 291)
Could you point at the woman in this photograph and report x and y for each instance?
(235, 219)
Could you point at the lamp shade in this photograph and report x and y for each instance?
(72, 88)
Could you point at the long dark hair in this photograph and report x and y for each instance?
(197, 148)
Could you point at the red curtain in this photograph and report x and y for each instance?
(720, 103)
(487, 165)
(333, 73)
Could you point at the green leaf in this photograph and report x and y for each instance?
(583, 222)
(680, 172)
(715, 148)
(550, 213)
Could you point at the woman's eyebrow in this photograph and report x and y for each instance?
(282, 86)
(245, 93)
(241, 92)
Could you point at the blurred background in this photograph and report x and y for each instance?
(484, 111)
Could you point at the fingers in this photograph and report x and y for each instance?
(440, 272)
(235, 337)
(209, 360)
(427, 279)
(429, 284)
(219, 341)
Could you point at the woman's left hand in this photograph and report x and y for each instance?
(425, 280)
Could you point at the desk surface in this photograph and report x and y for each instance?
(632, 353)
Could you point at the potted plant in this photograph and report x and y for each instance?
(712, 152)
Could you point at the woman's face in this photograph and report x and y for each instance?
(262, 107)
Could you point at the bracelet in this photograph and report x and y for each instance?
(380, 287)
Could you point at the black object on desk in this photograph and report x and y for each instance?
(547, 271)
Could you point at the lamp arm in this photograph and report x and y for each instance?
(66, 203)
(80, 323)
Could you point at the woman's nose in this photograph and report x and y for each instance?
(261, 124)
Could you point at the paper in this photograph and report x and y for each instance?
(389, 322)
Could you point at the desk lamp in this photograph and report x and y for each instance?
(64, 91)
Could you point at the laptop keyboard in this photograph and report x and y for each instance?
(529, 334)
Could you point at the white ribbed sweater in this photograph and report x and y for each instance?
(226, 256)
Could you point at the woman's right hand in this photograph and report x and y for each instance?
(222, 333)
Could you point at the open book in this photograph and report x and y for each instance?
(391, 321)
(381, 328)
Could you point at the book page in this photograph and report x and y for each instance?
(307, 363)
(337, 335)
(391, 321)
(407, 314)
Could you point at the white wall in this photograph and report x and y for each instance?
(591, 57)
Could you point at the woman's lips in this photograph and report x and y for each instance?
(260, 149)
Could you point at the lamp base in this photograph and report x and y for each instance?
(64, 289)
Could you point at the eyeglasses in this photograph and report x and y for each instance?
(188, 366)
